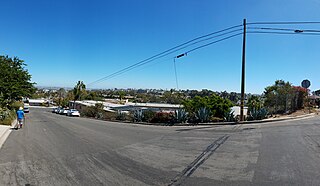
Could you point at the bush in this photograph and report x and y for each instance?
(230, 117)
(217, 105)
(163, 117)
(216, 119)
(94, 111)
(121, 116)
(15, 105)
(111, 116)
(203, 115)
(258, 114)
(88, 112)
(137, 116)
(180, 116)
(7, 116)
(148, 115)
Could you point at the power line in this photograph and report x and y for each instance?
(283, 23)
(284, 29)
(283, 33)
(126, 70)
(214, 35)
(149, 61)
(160, 56)
(202, 46)
(174, 49)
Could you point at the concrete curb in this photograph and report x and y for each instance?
(5, 132)
(278, 119)
(255, 121)
(248, 122)
(209, 124)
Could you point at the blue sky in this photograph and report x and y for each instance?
(66, 41)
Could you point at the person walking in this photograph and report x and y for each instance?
(20, 117)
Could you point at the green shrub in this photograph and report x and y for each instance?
(121, 116)
(258, 114)
(203, 115)
(214, 103)
(230, 117)
(148, 115)
(7, 116)
(180, 116)
(94, 111)
(15, 105)
(137, 116)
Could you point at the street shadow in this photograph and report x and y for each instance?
(199, 128)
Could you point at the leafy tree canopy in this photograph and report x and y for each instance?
(79, 90)
(15, 80)
(282, 97)
(217, 105)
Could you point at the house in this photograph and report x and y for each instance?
(37, 102)
(236, 110)
(128, 106)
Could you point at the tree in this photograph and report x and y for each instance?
(121, 95)
(78, 91)
(218, 106)
(61, 94)
(300, 96)
(254, 103)
(277, 96)
(15, 80)
(282, 97)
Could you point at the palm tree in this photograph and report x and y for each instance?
(78, 91)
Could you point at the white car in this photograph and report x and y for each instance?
(73, 112)
(63, 111)
(60, 111)
(26, 109)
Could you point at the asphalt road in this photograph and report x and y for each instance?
(59, 150)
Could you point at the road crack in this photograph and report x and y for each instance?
(189, 170)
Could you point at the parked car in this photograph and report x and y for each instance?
(58, 110)
(64, 111)
(26, 109)
(61, 110)
(55, 109)
(73, 112)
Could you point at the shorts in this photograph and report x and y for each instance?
(20, 121)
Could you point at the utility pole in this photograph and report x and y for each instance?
(243, 71)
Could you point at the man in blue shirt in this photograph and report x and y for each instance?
(20, 117)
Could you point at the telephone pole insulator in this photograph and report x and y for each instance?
(181, 55)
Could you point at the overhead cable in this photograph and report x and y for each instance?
(172, 50)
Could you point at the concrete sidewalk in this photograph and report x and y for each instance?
(5, 131)
(284, 118)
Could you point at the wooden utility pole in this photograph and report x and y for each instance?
(243, 72)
